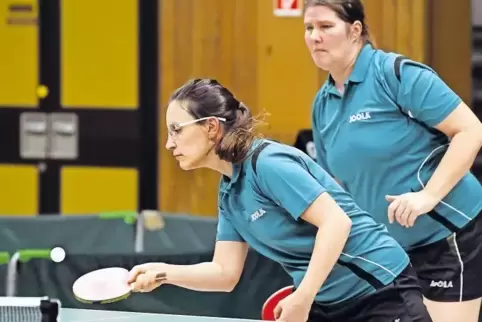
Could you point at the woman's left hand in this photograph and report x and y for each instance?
(294, 308)
(407, 207)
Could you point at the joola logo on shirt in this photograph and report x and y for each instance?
(257, 214)
(360, 116)
(442, 284)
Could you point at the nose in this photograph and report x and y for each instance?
(315, 35)
(170, 143)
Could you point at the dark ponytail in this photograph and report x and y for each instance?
(236, 142)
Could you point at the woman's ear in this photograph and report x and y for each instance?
(356, 30)
(213, 128)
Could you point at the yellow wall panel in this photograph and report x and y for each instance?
(92, 190)
(99, 53)
(287, 76)
(373, 13)
(451, 44)
(400, 26)
(218, 41)
(18, 55)
(19, 190)
(420, 35)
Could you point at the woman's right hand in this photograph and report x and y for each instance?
(147, 277)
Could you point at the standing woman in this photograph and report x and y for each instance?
(402, 143)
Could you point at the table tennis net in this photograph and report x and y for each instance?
(28, 309)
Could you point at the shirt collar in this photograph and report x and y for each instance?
(360, 69)
(362, 64)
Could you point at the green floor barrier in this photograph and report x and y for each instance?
(4, 258)
(28, 254)
(129, 217)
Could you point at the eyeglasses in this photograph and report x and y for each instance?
(174, 129)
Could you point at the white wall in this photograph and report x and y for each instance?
(477, 12)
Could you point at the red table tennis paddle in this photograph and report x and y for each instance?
(267, 313)
(102, 286)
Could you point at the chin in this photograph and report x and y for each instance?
(186, 165)
(322, 63)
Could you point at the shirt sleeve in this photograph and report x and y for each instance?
(320, 150)
(226, 231)
(421, 93)
(285, 179)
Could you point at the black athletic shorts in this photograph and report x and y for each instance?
(450, 270)
(400, 301)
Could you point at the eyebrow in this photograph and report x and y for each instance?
(318, 21)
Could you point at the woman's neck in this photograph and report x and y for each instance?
(343, 70)
(225, 168)
(215, 163)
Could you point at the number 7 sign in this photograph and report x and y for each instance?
(288, 8)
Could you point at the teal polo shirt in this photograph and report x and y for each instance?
(378, 139)
(262, 205)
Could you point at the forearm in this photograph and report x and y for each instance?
(329, 243)
(207, 277)
(458, 159)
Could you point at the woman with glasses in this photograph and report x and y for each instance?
(277, 200)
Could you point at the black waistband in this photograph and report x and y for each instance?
(405, 279)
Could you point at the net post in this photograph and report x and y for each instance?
(139, 234)
(11, 282)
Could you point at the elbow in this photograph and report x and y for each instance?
(227, 277)
(472, 135)
(340, 224)
(347, 224)
(344, 225)
(229, 284)
(478, 137)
